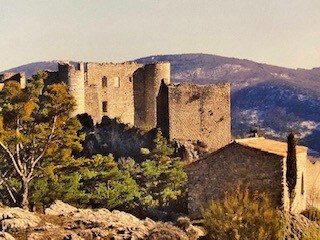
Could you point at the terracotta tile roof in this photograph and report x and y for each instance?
(268, 145)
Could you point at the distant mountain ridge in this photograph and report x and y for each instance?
(271, 98)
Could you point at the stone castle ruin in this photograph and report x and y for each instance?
(143, 96)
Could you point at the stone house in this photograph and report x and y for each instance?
(256, 163)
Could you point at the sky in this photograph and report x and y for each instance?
(278, 32)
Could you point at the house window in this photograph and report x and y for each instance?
(116, 82)
(104, 81)
(302, 185)
(104, 106)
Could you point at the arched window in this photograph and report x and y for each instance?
(104, 81)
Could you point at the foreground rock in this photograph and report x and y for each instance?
(6, 236)
(17, 219)
(62, 221)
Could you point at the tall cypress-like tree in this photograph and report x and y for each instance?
(291, 165)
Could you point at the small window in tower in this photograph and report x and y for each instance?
(104, 106)
(104, 81)
(116, 82)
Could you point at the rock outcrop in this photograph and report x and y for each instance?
(62, 221)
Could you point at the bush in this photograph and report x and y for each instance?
(312, 213)
(165, 231)
(241, 216)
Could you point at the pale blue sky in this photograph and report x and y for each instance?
(279, 32)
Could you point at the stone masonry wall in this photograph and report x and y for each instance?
(231, 166)
(114, 82)
(93, 100)
(301, 190)
(139, 98)
(200, 113)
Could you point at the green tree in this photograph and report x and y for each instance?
(291, 174)
(35, 130)
(94, 182)
(162, 178)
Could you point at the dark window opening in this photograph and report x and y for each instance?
(104, 106)
(104, 81)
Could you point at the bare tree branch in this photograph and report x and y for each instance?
(13, 160)
(36, 160)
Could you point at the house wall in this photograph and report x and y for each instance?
(230, 167)
(301, 190)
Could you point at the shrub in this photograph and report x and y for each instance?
(183, 223)
(165, 231)
(312, 213)
(241, 216)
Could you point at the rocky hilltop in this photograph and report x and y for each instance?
(62, 221)
(271, 98)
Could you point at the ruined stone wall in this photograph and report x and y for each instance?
(6, 76)
(19, 77)
(231, 166)
(200, 113)
(114, 82)
(93, 100)
(52, 77)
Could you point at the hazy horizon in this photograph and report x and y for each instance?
(273, 32)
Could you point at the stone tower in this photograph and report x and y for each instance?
(154, 75)
(74, 78)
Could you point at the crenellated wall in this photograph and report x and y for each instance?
(19, 77)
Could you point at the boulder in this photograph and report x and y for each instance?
(101, 222)
(60, 208)
(6, 236)
(62, 221)
(17, 219)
